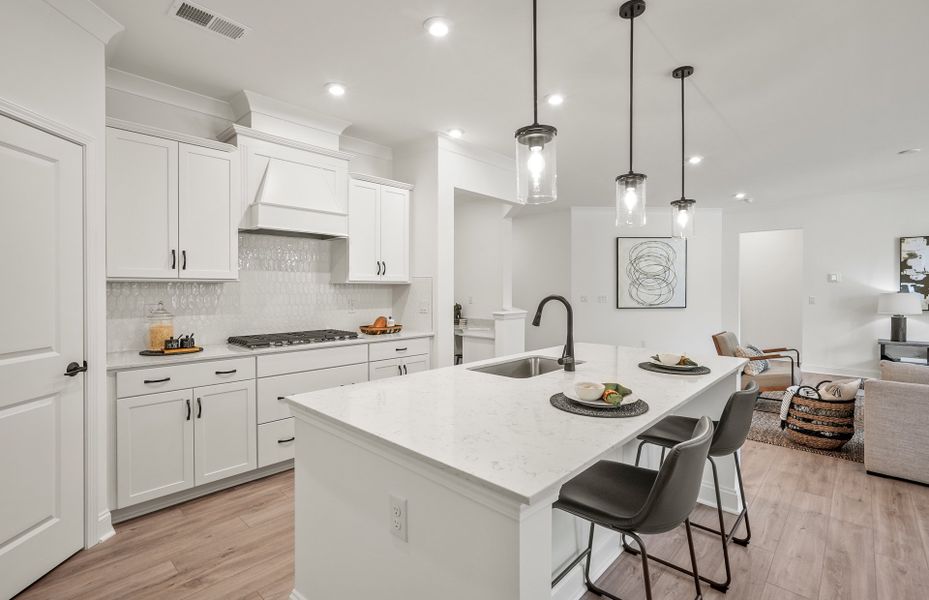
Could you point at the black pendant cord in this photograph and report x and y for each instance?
(535, 69)
(631, 80)
(683, 146)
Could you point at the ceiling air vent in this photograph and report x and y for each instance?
(203, 17)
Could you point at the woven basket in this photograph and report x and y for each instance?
(372, 330)
(822, 424)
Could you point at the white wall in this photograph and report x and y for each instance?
(771, 288)
(542, 266)
(856, 236)
(479, 255)
(593, 284)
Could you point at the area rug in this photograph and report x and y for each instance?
(766, 428)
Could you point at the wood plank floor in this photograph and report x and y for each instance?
(822, 530)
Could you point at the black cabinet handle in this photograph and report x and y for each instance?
(73, 369)
(229, 372)
(184, 260)
(400, 349)
(405, 370)
(385, 268)
(199, 408)
(173, 259)
(285, 440)
(281, 398)
(156, 380)
(188, 410)
(378, 267)
(399, 369)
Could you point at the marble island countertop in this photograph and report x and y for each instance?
(117, 361)
(501, 432)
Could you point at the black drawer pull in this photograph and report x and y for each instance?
(284, 441)
(188, 409)
(229, 372)
(156, 380)
(199, 408)
(184, 258)
(173, 259)
(400, 349)
(282, 398)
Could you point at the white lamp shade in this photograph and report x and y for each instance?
(902, 303)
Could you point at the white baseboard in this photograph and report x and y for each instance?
(295, 595)
(104, 527)
(143, 508)
(572, 586)
(730, 497)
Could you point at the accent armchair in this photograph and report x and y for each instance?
(784, 369)
(896, 419)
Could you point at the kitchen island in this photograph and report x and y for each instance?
(474, 461)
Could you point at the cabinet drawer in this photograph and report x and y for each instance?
(309, 360)
(270, 389)
(178, 377)
(275, 442)
(398, 348)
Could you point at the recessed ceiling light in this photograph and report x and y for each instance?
(910, 151)
(740, 196)
(335, 89)
(695, 160)
(554, 99)
(437, 26)
(455, 133)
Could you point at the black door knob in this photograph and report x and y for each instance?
(74, 368)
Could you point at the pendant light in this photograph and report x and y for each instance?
(630, 188)
(682, 211)
(536, 179)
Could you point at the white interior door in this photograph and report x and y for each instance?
(394, 233)
(41, 332)
(141, 206)
(208, 219)
(225, 431)
(363, 255)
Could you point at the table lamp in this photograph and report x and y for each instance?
(899, 304)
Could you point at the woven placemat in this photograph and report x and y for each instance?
(633, 409)
(656, 369)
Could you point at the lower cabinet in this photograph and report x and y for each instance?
(397, 367)
(173, 441)
(275, 442)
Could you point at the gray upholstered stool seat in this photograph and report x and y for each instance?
(609, 493)
(729, 435)
(633, 500)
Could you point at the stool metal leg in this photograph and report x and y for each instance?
(730, 536)
(593, 588)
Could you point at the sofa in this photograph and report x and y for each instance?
(896, 422)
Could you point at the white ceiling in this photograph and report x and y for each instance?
(791, 99)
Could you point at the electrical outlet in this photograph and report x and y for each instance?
(398, 517)
(424, 308)
(351, 306)
(470, 299)
(812, 300)
(601, 299)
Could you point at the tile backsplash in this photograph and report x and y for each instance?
(283, 286)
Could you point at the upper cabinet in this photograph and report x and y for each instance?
(172, 206)
(378, 246)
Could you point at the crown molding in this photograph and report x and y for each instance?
(89, 17)
(381, 180)
(168, 134)
(247, 101)
(240, 130)
(357, 145)
(144, 87)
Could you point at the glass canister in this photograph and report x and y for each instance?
(160, 327)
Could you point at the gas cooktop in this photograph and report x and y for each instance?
(293, 338)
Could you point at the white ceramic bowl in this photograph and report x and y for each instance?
(667, 358)
(588, 390)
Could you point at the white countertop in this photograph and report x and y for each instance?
(503, 432)
(487, 333)
(117, 361)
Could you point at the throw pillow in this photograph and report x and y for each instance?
(840, 390)
(754, 367)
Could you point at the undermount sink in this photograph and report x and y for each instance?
(521, 368)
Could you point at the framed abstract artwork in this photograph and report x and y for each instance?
(651, 272)
(914, 267)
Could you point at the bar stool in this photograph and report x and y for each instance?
(730, 433)
(634, 500)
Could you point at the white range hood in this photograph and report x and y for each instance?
(291, 186)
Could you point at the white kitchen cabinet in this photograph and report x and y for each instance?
(276, 442)
(172, 206)
(225, 430)
(398, 367)
(141, 206)
(154, 446)
(378, 246)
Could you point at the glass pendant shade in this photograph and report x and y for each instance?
(536, 177)
(630, 200)
(683, 212)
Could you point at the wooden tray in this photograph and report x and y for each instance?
(372, 330)
(171, 352)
